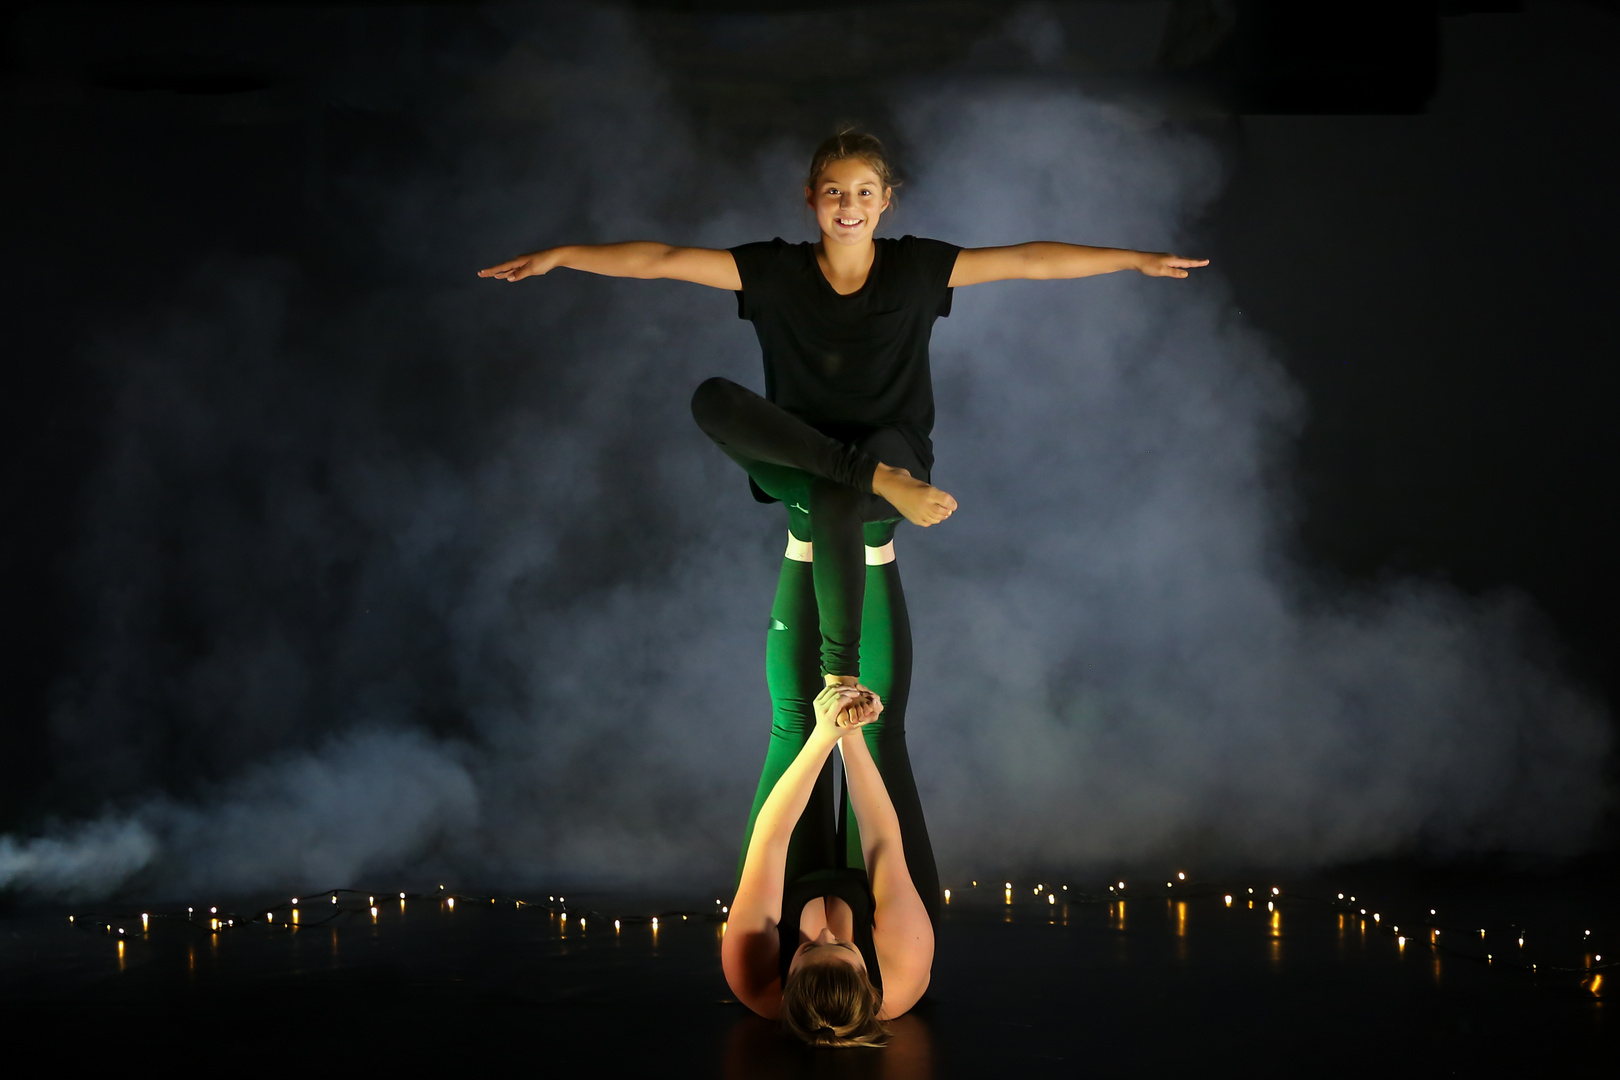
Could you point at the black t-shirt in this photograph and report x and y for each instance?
(849, 364)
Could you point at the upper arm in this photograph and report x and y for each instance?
(902, 932)
(974, 266)
(714, 267)
(750, 952)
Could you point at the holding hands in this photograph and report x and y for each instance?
(842, 708)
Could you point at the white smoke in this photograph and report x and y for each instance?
(438, 568)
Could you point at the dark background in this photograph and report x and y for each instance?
(1420, 213)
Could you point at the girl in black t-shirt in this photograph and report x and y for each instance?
(842, 433)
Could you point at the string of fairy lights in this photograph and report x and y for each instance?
(1508, 949)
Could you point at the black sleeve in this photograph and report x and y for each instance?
(757, 267)
(932, 262)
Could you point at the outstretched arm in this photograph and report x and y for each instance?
(901, 929)
(636, 259)
(1047, 260)
(749, 953)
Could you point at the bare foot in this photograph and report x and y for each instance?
(919, 503)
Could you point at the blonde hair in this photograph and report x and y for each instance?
(852, 143)
(833, 1005)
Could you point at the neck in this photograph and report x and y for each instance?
(846, 263)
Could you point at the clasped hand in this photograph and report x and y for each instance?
(841, 708)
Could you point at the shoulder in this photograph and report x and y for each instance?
(774, 250)
(761, 261)
(908, 967)
(927, 258)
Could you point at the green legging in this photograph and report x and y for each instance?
(826, 836)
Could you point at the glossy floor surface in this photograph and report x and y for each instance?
(1166, 975)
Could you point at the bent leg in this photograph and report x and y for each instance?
(746, 426)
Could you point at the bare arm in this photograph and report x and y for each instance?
(901, 930)
(1048, 260)
(750, 952)
(636, 259)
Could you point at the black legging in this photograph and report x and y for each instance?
(827, 487)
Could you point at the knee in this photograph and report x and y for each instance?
(712, 401)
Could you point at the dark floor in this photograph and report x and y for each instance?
(1170, 979)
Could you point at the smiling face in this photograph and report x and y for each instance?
(827, 949)
(848, 199)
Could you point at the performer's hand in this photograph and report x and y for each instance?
(840, 708)
(1164, 264)
(531, 265)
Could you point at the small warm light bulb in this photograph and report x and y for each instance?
(1375, 916)
(1180, 876)
(1169, 885)
(373, 911)
(70, 918)
(1431, 911)
(655, 921)
(947, 896)
(1065, 888)
(1051, 898)
(615, 924)
(452, 902)
(269, 916)
(1009, 884)
(1122, 884)
(582, 924)
(726, 910)
(334, 898)
(1276, 891)
(120, 929)
(565, 916)
(371, 899)
(144, 918)
(402, 896)
(975, 884)
(215, 910)
(1401, 940)
(1341, 896)
(1270, 906)
(1598, 958)
(1228, 899)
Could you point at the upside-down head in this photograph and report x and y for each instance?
(831, 1003)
